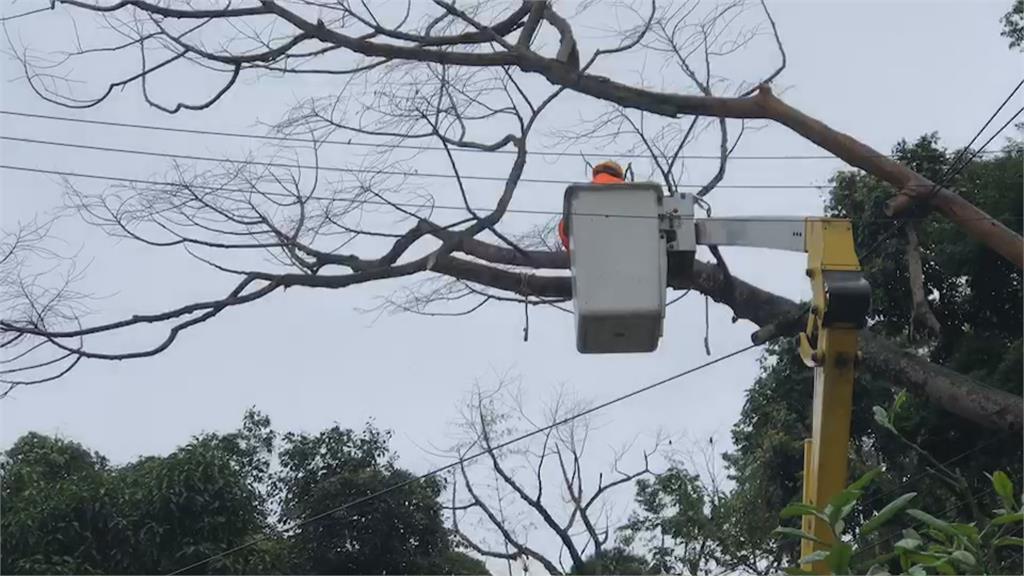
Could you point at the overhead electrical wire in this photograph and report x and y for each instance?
(372, 171)
(362, 144)
(475, 455)
(981, 130)
(411, 205)
(952, 171)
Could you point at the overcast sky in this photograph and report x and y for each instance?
(880, 71)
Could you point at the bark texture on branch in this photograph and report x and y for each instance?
(921, 314)
(954, 392)
(912, 186)
(765, 105)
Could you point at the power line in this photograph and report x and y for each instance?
(981, 130)
(372, 202)
(899, 225)
(475, 455)
(309, 196)
(361, 144)
(989, 141)
(949, 173)
(371, 171)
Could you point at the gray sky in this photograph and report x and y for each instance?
(879, 71)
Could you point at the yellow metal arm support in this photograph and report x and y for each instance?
(829, 344)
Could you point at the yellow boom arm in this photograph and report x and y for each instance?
(839, 307)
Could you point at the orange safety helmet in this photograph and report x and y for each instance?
(606, 172)
(609, 167)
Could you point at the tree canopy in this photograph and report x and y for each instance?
(1013, 24)
(66, 510)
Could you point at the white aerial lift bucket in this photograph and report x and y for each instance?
(618, 253)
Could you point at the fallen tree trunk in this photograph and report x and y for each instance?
(911, 187)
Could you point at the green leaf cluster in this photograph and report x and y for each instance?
(66, 510)
(926, 544)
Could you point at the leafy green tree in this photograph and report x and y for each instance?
(198, 501)
(616, 560)
(1013, 24)
(926, 545)
(678, 521)
(66, 510)
(58, 514)
(400, 532)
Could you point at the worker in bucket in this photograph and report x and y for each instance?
(607, 172)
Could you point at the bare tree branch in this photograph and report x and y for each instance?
(563, 71)
(491, 415)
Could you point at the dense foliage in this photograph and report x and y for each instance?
(1013, 24)
(66, 510)
(929, 545)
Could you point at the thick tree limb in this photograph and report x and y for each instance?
(567, 51)
(971, 219)
(921, 315)
(956, 393)
(532, 22)
(959, 394)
